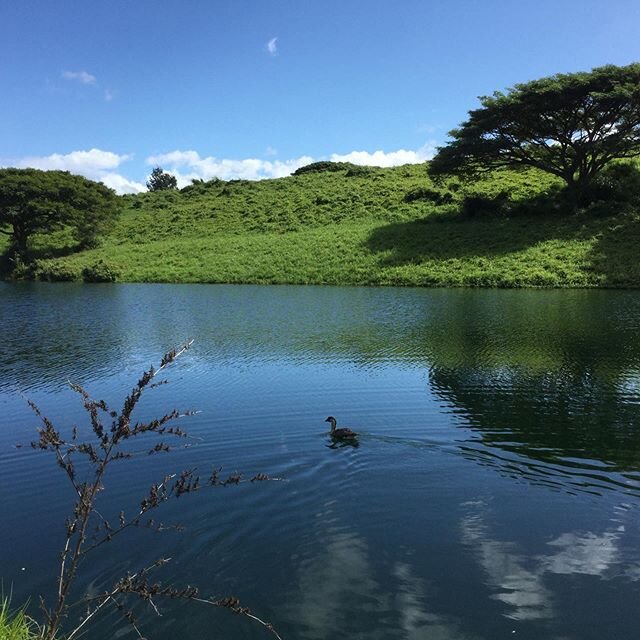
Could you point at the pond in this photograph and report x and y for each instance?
(494, 492)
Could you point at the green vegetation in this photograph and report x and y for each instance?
(553, 203)
(40, 202)
(570, 125)
(15, 625)
(365, 225)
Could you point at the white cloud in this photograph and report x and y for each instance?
(79, 76)
(272, 46)
(120, 184)
(188, 165)
(387, 159)
(94, 164)
(88, 163)
(109, 94)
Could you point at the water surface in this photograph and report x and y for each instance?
(494, 492)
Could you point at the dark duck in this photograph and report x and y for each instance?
(340, 434)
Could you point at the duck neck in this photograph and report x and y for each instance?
(333, 425)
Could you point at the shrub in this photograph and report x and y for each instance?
(322, 166)
(357, 170)
(56, 273)
(429, 195)
(15, 268)
(200, 187)
(106, 442)
(100, 272)
(619, 182)
(475, 205)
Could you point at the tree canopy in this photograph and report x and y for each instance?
(570, 125)
(160, 180)
(34, 201)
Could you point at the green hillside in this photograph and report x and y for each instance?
(344, 224)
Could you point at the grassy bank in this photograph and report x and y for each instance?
(15, 625)
(357, 225)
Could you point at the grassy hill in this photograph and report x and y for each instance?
(343, 224)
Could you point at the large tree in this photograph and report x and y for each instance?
(34, 201)
(570, 125)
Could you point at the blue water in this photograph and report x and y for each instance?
(495, 491)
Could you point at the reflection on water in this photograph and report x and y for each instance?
(520, 580)
(336, 586)
(495, 488)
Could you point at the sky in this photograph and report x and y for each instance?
(256, 88)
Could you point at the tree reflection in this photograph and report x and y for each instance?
(554, 381)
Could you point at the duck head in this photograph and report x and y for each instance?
(333, 422)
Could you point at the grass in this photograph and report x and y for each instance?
(359, 225)
(15, 625)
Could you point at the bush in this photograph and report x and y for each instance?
(475, 205)
(200, 187)
(12, 266)
(429, 195)
(100, 272)
(619, 183)
(56, 273)
(323, 166)
(357, 170)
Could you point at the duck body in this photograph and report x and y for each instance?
(340, 434)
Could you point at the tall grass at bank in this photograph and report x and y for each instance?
(359, 226)
(15, 624)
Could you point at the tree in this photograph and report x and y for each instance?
(570, 125)
(34, 201)
(159, 180)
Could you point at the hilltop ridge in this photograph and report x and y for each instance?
(338, 223)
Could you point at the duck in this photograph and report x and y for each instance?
(340, 434)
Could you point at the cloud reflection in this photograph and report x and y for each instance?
(416, 622)
(337, 595)
(587, 554)
(517, 586)
(518, 579)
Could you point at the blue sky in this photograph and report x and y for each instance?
(254, 88)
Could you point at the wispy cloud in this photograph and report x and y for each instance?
(424, 128)
(272, 46)
(94, 164)
(79, 76)
(88, 79)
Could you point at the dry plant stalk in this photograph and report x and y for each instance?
(106, 446)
